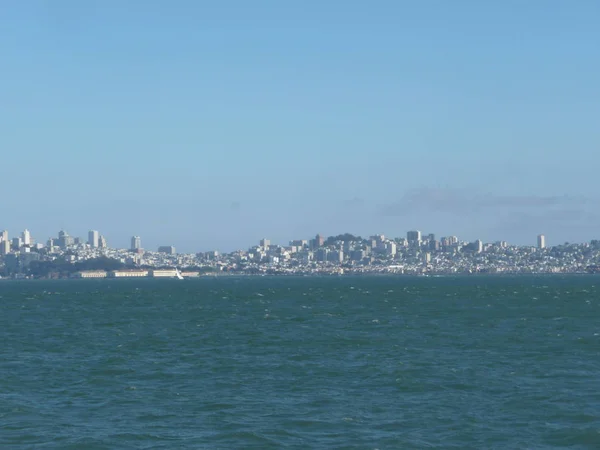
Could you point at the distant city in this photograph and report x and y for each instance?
(416, 254)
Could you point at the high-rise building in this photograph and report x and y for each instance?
(64, 240)
(168, 249)
(478, 245)
(413, 237)
(265, 243)
(317, 242)
(336, 256)
(26, 237)
(434, 245)
(4, 247)
(4, 236)
(321, 254)
(136, 243)
(102, 242)
(541, 241)
(94, 239)
(300, 243)
(17, 242)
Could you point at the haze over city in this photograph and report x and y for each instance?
(210, 125)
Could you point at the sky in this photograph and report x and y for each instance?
(212, 124)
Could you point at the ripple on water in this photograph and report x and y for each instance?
(366, 362)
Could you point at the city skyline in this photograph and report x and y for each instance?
(228, 240)
(95, 239)
(210, 125)
(418, 253)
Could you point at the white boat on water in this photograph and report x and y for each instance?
(178, 274)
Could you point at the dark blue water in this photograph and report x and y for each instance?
(324, 363)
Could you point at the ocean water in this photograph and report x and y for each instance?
(301, 363)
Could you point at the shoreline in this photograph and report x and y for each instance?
(315, 275)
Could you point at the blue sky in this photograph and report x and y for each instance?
(211, 124)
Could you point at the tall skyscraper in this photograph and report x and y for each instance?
(317, 242)
(26, 237)
(17, 242)
(64, 240)
(478, 245)
(541, 241)
(102, 242)
(4, 236)
(265, 243)
(4, 247)
(413, 237)
(94, 238)
(136, 243)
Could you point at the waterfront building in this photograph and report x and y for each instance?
(128, 273)
(190, 274)
(165, 273)
(136, 243)
(541, 241)
(94, 239)
(92, 274)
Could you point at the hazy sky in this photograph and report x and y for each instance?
(211, 124)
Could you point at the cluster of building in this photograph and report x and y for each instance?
(416, 253)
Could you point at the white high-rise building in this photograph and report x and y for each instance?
(4, 236)
(136, 243)
(102, 242)
(479, 245)
(4, 247)
(94, 238)
(26, 237)
(541, 241)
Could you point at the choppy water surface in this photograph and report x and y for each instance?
(270, 363)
